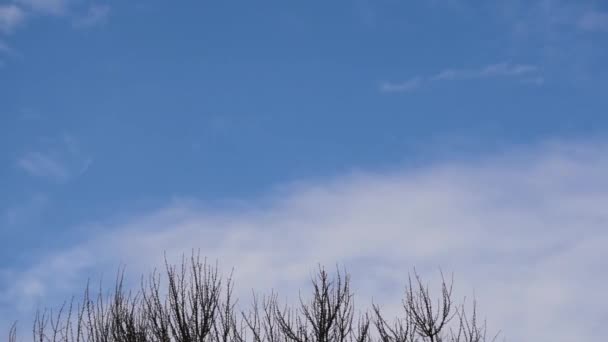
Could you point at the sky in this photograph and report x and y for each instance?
(381, 135)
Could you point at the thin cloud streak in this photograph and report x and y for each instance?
(494, 70)
(13, 16)
(54, 7)
(58, 160)
(525, 230)
(519, 71)
(402, 87)
(42, 165)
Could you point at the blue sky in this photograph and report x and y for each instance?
(153, 117)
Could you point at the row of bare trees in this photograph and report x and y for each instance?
(196, 304)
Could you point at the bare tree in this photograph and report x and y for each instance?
(429, 322)
(261, 322)
(196, 304)
(12, 333)
(327, 317)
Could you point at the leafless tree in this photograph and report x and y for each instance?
(327, 317)
(426, 321)
(261, 322)
(196, 304)
(12, 333)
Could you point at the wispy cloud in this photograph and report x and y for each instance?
(494, 70)
(14, 15)
(525, 230)
(26, 211)
(555, 32)
(96, 14)
(38, 164)
(594, 21)
(11, 16)
(523, 72)
(59, 161)
(401, 87)
(55, 7)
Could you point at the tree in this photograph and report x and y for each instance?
(196, 304)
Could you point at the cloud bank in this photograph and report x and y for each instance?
(525, 230)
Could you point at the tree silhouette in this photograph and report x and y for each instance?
(196, 304)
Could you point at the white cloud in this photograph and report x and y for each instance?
(88, 15)
(59, 160)
(11, 16)
(525, 229)
(55, 7)
(406, 86)
(523, 72)
(96, 14)
(493, 70)
(38, 164)
(594, 21)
